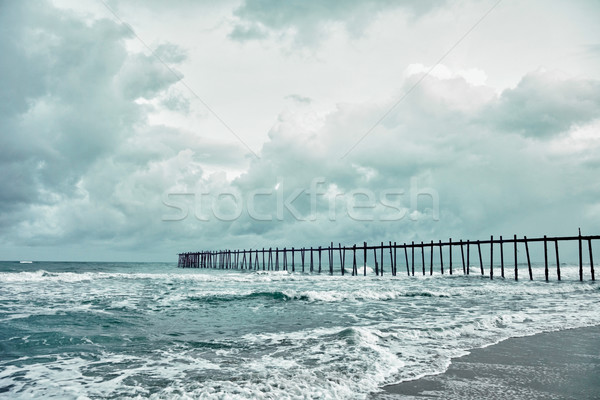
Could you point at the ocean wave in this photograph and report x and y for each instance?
(311, 295)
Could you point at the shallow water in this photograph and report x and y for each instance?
(116, 330)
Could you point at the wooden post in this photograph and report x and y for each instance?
(501, 256)
(331, 259)
(391, 260)
(263, 257)
(462, 253)
(591, 260)
(412, 247)
(293, 261)
(406, 256)
(557, 260)
(431, 260)
(354, 268)
(468, 256)
(528, 259)
(441, 259)
(311, 261)
(516, 269)
(342, 257)
(450, 249)
(423, 256)
(395, 266)
(546, 258)
(381, 257)
(365, 259)
(492, 257)
(375, 260)
(580, 258)
(480, 259)
(319, 259)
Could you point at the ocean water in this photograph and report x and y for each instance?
(150, 330)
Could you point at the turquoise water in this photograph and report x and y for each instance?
(118, 330)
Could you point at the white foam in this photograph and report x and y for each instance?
(394, 329)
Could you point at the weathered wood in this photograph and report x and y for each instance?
(480, 259)
(580, 258)
(557, 260)
(331, 259)
(591, 260)
(249, 259)
(365, 259)
(450, 256)
(468, 256)
(395, 260)
(406, 256)
(441, 259)
(528, 259)
(462, 253)
(501, 257)
(412, 248)
(492, 257)
(431, 261)
(293, 261)
(342, 257)
(375, 261)
(311, 261)
(381, 258)
(319, 259)
(354, 268)
(516, 267)
(423, 257)
(545, 258)
(391, 260)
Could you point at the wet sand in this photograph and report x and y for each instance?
(553, 365)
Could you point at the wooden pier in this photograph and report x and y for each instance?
(384, 257)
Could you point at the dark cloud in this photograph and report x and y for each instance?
(489, 177)
(308, 20)
(86, 162)
(544, 104)
(67, 100)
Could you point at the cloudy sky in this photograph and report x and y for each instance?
(134, 130)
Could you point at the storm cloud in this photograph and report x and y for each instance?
(107, 152)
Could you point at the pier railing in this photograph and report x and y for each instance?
(313, 258)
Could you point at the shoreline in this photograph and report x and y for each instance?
(552, 365)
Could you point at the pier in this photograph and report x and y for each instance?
(384, 257)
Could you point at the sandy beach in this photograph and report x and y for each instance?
(554, 365)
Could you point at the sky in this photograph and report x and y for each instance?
(135, 130)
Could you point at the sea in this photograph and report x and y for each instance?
(152, 330)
